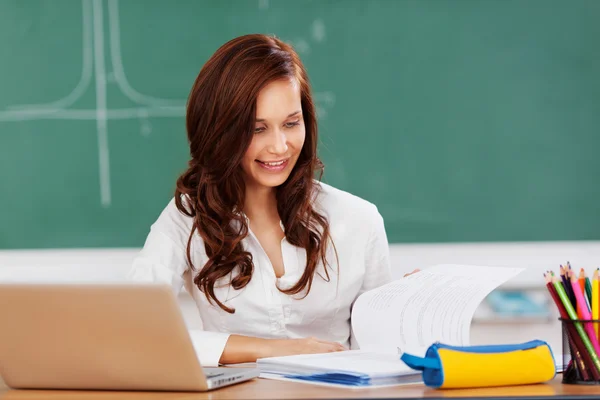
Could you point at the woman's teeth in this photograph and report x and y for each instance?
(273, 164)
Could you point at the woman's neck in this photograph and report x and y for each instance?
(260, 203)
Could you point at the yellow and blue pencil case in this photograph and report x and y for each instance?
(447, 367)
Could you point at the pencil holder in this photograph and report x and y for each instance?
(581, 351)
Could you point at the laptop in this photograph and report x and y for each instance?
(112, 336)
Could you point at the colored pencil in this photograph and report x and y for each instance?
(588, 289)
(565, 279)
(582, 283)
(579, 355)
(586, 315)
(569, 273)
(596, 302)
(581, 280)
(572, 315)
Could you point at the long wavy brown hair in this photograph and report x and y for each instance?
(220, 120)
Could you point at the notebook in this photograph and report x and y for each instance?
(436, 304)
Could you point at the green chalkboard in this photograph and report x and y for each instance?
(461, 120)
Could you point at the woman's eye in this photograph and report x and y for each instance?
(292, 124)
(259, 129)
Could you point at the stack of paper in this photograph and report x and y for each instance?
(353, 368)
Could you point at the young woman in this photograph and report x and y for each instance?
(273, 258)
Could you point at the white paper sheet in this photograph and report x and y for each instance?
(436, 304)
(375, 365)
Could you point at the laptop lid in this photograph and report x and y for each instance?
(116, 336)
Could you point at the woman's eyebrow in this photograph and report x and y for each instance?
(290, 115)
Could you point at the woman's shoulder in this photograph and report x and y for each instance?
(173, 223)
(337, 202)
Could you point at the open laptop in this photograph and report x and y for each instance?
(113, 336)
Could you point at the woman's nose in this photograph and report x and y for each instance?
(278, 143)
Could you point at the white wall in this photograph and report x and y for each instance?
(111, 264)
(537, 257)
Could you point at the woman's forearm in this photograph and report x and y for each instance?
(240, 349)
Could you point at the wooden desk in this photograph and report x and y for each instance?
(270, 389)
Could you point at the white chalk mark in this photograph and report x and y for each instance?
(101, 104)
(44, 113)
(321, 112)
(328, 98)
(94, 64)
(90, 114)
(323, 101)
(117, 63)
(86, 66)
(145, 126)
(318, 30)
(155, 112)
(301, 46)
(263, 4)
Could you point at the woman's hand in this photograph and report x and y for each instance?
(410, 273)
(310, 345)
(240, 349)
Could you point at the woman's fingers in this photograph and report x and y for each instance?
(331, 346)
(410, 273)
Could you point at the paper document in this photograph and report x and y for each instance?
(407, 315)
(408, 380)
(353, 368)
(436, 304)
(375, 365)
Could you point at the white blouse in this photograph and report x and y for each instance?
(261, 310)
